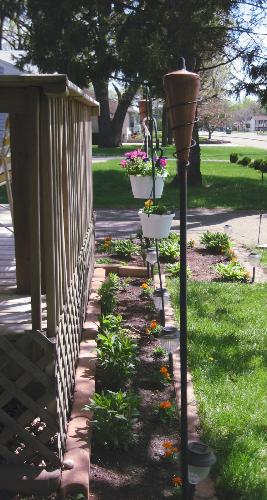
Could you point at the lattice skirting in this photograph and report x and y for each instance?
(34, 403)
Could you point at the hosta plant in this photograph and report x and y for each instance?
(233, 271)
(174, 270)
(114, 416)
(125, 249)
(215, 242)
(169, 249)
(116, 354)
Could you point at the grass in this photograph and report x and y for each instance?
(207, 152)
(263, 253)
(227, 357)
(224, 185)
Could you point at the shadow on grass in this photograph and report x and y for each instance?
(112, 190)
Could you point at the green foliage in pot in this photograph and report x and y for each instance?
(116, 354)
(150, 208)
(233, 271)
(114, 416)
(107, 293)
(215, 242)
(233, 157)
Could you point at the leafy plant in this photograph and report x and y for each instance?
(233, 157)
(105, 245)
(107, 293)
(146, 289)
(169, 249)
(125, 249)
(114, 416)
(245, 161)
(104, 260)
(215, 242)
(110, 323)
(159, 209)
(174, 270)
(159, 352)
(233, 271)
(166, 411)
(116, 353)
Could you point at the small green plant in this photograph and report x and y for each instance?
(174, 270)
(233, 271)
(114, 416)
(107, 293)
(215, 242)
(166, 411)
(104, 260)
(125, 249)
(146, 289)
(159, 353)
(245, 161)
(169, 249)
(233, 157)
(116, 353)
(110, 323)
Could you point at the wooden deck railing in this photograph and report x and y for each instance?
(54, 241)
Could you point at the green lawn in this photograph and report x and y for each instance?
(207, 152)
(227, 356)
(225, 185)
(263, 253)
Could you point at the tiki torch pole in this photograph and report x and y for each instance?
(182, 89)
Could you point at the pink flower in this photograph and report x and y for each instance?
(163, 162)
(123, 163)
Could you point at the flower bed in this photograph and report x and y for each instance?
(144, 467)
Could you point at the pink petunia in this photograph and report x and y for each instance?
(123, 163)
(163, 162)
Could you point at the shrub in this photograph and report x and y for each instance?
(256, 164)
(125, 249)
(174, 270)
(245, 161)
(114, 415)
(263, 166)
(116, 353)
(215, 242)
(107, 293)
(233, 157)
(233, 271)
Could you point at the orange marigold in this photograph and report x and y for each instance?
(165, 405)
(153, 324)
(144, 286)
(148, 330)
(163, 370)
(167, 444)
(168, 453)
(177, 481)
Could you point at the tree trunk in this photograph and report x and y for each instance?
(194, 177)
(209, 131)
(164, 140)
(110, 130)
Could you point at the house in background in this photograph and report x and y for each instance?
(257, 123)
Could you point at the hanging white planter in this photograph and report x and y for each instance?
(156, 226)
(142, 186)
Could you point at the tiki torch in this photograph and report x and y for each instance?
(182, 89)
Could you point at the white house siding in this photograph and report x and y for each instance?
(258, 123)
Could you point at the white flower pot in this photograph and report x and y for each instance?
(156, 226)
(142, 186)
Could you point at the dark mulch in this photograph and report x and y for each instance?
(141, 472)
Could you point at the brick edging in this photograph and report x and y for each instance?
(75, 474)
